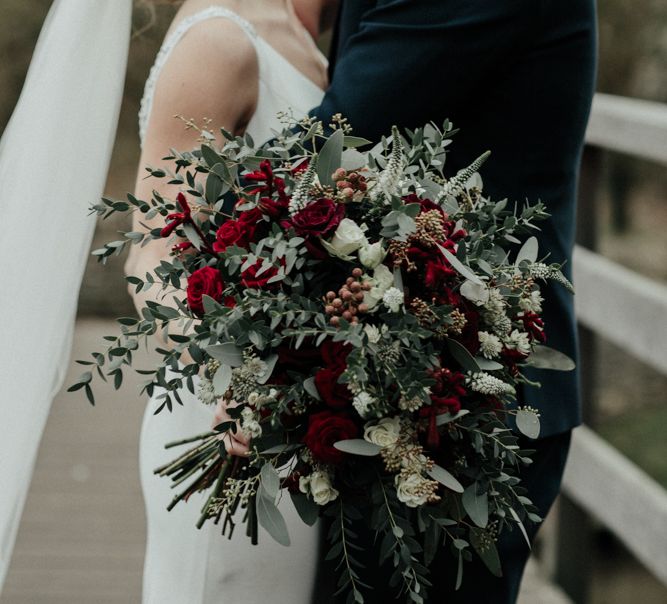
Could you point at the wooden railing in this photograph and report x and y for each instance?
(629, 310)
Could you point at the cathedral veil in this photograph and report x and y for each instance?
(54, 157)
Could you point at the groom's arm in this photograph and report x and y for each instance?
(412, 61)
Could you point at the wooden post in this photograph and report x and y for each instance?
(574, 547)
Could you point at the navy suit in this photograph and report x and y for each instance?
(517, 77)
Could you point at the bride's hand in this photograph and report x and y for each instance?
(235, 444)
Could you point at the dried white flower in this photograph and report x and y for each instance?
(393, 299)
(532, 302)
(518, 340)
(362, 403)
(489, 344)
(485, 383)
(373, 333)
(206, 392)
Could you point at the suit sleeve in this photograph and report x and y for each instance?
(413, 61)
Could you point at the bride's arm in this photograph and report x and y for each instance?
(211, 73)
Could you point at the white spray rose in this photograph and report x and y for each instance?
(371, 255)
(348, 238)
(385, 433)
(381, 281)
(410, 490)
(321, 489)
(393, 299)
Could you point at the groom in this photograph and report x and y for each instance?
(517, 77)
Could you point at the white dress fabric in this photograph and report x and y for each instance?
(54, 158)
(185, 565)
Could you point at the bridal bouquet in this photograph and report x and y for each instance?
(367, 320)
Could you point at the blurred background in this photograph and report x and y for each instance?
(81, 539)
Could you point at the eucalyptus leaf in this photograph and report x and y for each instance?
(270, 362)
(446, 418)
(476, 506)
(462, 356)
(222, 379)
(544, 357)
(355, 141)
(270, 481)
(307, 509)
(192, 234)
(329, 158)
(358, 446)
(310, 388)
(445, 478)
(528, 251)
(459, 266)
(528, 423)
(270, 518)
(487, 551)
(522, 528)
(227, 354)
(487, 364)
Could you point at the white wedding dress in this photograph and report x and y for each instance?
(185, 565)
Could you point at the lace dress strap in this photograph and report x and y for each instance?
(212, 12)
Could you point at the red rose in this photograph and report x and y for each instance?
(250, 278)
(204, 281)
(240, 232)
(317, 218)
(334, 355)
(333, 393)
(325, 429)
(437, 273)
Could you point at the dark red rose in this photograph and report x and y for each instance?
(437, 273)
(325, 429)
(240, 232)
(446, 396)
(300, 359)
(232, 232)
(334, 355)
(250, 278)
(469, 336)
(204, 281)
(317, 218)
(333, 393)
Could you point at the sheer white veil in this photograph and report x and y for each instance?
(54, 157)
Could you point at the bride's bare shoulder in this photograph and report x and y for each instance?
(212, 72)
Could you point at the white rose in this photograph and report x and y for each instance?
(381, 281)
(385, 433)
(410, 491)
(371, 255)
(348, 238)
(321, 489)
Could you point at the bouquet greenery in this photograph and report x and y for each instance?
(367, 320)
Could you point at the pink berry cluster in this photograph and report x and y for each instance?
(349, 184)
(349, 302)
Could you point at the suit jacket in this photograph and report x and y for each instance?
(517, 77)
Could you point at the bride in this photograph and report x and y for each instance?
(237, 64)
